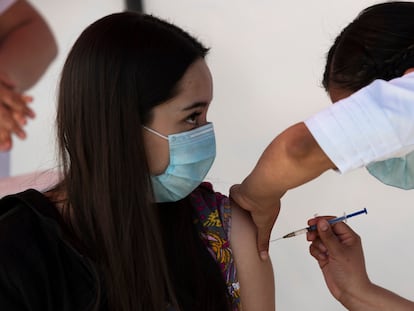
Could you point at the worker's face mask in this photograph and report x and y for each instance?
(396, 172)
(192, 154)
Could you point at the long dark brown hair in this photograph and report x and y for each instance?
(119, 68)
(377, 44)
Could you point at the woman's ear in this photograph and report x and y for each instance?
(408, 70)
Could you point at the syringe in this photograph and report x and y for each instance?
(313, 227)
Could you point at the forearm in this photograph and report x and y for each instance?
(376, 298)
(28, 45)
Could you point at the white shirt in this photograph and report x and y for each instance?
(375, 123)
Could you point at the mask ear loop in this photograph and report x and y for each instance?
(155, 132)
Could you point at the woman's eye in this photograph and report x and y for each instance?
(192, 119)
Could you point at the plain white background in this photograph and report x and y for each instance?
(267, 59)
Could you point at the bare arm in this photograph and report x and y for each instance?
(257, 289)
(27, 45)
(292, 159)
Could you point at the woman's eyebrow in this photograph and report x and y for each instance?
(195, 105)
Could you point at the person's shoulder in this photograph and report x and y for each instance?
(207, 201)
(27, 225)
(13, 211)
(212, 212)
(35, 257)
(19, 243)
(206, 192)
(23, 203)
(18, 227)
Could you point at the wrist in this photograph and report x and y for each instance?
(375, 298)
(258, 198)
(358, 298)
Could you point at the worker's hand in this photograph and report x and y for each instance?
(338, 250)
(14, 112)
(263, 216)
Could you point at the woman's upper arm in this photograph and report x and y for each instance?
(257, 288)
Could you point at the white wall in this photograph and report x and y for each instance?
(267, 58)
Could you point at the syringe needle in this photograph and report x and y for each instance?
(276, 239)
(292, 234)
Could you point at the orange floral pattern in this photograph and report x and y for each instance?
(213, 217)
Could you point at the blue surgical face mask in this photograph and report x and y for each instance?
(192, 154)
(396, 172)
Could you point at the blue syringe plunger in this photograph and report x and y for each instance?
(331, 221)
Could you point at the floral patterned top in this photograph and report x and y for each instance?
(213, 217)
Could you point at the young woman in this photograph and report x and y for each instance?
(131, 226)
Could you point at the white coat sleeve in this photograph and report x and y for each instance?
(373, 124)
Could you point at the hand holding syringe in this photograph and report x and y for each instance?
(313, 227)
